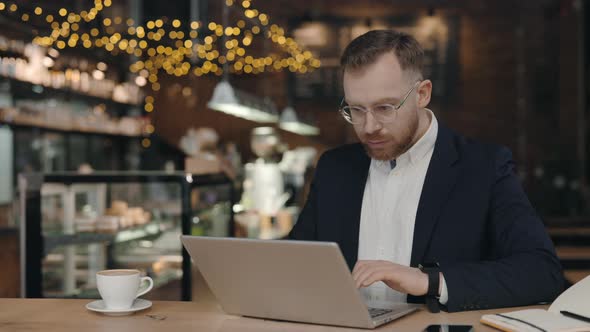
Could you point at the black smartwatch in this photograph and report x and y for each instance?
(432, 296)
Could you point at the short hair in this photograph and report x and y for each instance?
(367, 48)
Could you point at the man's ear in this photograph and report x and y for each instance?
(424, 91)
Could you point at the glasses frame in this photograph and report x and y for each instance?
(342, 108)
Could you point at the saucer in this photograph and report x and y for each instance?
(99, 306)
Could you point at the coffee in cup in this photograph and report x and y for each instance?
(119, 288)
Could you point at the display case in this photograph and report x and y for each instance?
(78, 224)
(59, 117)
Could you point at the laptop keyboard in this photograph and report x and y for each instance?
(375, 312)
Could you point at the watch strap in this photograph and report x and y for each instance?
(432, 270)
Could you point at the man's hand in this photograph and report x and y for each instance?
(408, 280)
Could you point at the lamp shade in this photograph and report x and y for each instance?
(223, 94)
(291, 123)
(240, 104)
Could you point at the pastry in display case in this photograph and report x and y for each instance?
(78, 224)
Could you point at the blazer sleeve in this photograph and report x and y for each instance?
(306, 226)
(523, 268)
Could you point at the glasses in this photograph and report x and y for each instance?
(384, 113)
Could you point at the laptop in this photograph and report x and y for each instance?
(297, 281)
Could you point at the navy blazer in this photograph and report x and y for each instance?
(473, 218)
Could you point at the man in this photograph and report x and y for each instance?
(415, 194)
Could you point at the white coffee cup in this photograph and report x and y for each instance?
(119, 288)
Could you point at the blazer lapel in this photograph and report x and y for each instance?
(358, 179)
(440, 180)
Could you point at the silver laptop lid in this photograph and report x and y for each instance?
(287, 280)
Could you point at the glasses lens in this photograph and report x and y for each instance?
(384, 113)
(357, 114)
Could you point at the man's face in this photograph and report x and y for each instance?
(383, 82)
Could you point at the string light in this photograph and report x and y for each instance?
(149, 107)
(146, 143)
(171, 60)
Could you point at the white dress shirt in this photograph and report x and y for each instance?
(388, 213)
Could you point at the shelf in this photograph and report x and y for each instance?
(135, 176)
(12, 54)
(57, 129)
(5, 230)
(569, 236)
(149, 230)
(71, 92)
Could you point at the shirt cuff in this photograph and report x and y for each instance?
(444, 294)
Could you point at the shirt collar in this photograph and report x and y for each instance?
(417, 152)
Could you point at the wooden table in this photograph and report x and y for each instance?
(71, 315)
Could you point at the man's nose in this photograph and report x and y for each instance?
(371, 124)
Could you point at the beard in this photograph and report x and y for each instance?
(395, 145)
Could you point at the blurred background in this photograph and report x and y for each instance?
(126, 123)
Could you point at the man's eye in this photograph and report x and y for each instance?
(383, 108)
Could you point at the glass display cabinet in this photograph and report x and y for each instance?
(77, 224)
